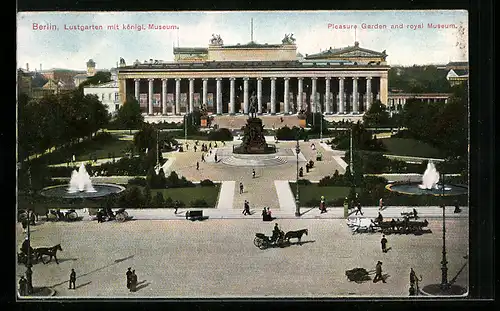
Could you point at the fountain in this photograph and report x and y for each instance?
(80, 181)
(81, 186)
(429, 185)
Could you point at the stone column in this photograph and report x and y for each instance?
(219, 95)
(341, 96)
(191, 95)
(259, 95)
(205, 92)
(177, 96)
(327, 96)
(150, 96)
(245, 95)
(232, 103)
(300, 90)
(286, 99)
(164, 97)
(122, 91)
(355, 97)
(136, 88)
(368, 93)
(313, 93)
(273, 96)
(383, 89)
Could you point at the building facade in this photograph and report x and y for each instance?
(222, 79)
(107, 93)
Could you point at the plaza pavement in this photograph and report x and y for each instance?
(217, 258)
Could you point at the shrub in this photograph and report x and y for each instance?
(222, 134)
(207, 183)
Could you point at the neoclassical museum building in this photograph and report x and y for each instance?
(221, 78)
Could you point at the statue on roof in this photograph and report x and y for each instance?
(288, 39)
(216, 40)
(122, 61)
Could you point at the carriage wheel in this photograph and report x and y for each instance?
(257, 241)
(264, 244)
(125, 214)
(120, 217)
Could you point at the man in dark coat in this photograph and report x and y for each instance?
(412, 290)
(23, 284)
(72, 279)
(384, 244)
(378, 273)
(129, 277)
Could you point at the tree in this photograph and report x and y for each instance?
(129, 115)
(376, 116)
(147, 196)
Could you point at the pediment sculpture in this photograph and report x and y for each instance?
(216, 40)
(288, 39)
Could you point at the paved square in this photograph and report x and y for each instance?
(217, 258)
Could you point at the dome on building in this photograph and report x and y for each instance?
(90, 63)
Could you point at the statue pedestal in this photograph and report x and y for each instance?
(253, 139)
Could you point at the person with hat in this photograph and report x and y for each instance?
(133, 281)
(378, 273)
(72, 279)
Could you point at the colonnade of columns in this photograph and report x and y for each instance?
(342, 99)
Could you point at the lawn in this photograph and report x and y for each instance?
(186, 195)
(87, 150)
(310, 193)
(410, 147)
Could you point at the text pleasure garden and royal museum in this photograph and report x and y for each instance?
(221, 78)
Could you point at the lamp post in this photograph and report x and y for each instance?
(185, 129)
(297, 202)
(444, 268)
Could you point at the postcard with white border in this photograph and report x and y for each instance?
(242, 154)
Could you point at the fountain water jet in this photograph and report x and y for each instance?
(80, 181)
(430, 179)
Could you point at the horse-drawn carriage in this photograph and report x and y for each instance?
(36, 254)
(107, 214)
(262, 241)
(402, 226)
(58, 215)
(359, 225)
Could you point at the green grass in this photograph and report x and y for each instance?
(186, 195)
(410, 147)
(314, 192)
(88, 149)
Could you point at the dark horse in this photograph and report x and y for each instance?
(295, 234)
(49, 251)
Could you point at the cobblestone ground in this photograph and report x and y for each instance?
(259, 191)
(217, 258)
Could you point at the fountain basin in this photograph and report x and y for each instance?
(101, 190)
(413, 188)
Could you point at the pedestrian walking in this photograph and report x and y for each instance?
(23, 286)
(246, 208)
(241, 187)
(197, 165)
(358, 210)
(215, 158)
(380, 204)
(253, 173)
(378, 273)
(72, 279)
(133, 281)
(176, 206)
(195, 148)
(384, 244)
(203, 157)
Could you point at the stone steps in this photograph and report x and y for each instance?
(253, 161)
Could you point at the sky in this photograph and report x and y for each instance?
(63, 45)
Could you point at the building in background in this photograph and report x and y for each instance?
(107, 93)
(458, 72)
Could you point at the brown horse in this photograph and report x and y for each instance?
(48, 251)
(295, 234)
